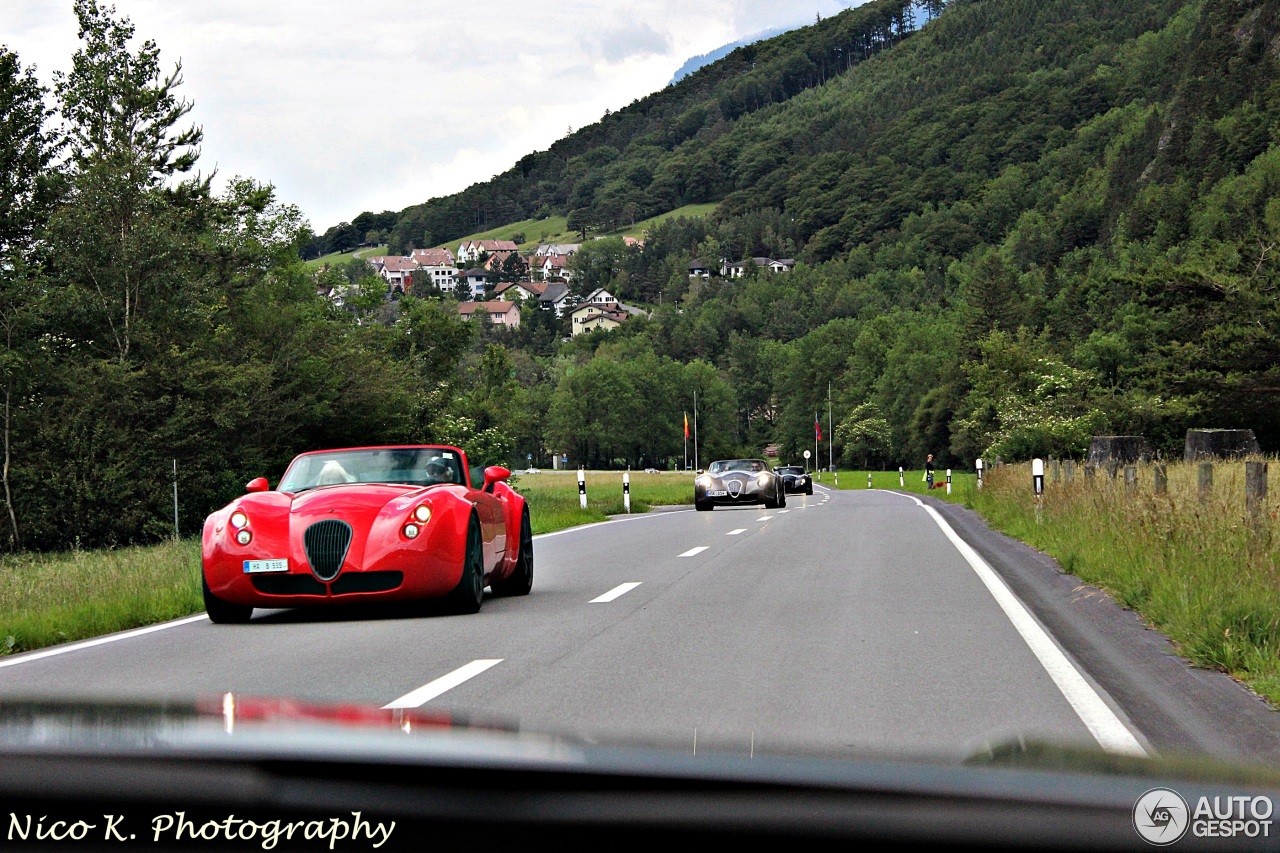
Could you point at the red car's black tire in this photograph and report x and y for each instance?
(223, 612)
(520, 580)
(467, 595)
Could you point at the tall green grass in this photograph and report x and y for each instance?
(52, 598)
(1204, 573)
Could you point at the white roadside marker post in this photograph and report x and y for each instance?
(979, 473)
(626, 490)
(1037, 476)
(948, 481)
(582, 488)
(902, 480)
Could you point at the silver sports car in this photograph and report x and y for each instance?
(729, 482)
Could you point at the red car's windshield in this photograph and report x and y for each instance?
(418, 466)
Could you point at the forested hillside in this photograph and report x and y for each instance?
(1018, 223)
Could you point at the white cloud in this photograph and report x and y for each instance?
(384, 104)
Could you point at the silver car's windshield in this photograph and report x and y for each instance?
(724, 466)
(418, 466)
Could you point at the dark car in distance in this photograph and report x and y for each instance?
(733, 482)
(795, 480)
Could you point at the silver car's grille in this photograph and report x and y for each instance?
(734, 487)
(327, 542)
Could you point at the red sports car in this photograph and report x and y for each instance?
(368, 524)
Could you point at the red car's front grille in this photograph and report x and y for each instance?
(327, 542)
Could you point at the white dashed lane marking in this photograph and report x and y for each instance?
(616, 592)
(692, 552)
(443, 684)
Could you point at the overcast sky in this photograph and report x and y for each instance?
(378, 105)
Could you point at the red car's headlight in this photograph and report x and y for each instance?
(239, 519)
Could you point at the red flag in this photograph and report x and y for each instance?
(686, 426)
(817, 429)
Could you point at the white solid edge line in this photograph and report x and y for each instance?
(692, 552)
(1107, 729)
(429, 691)
(28, 657)
(617, 592)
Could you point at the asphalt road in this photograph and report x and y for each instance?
(851, 622)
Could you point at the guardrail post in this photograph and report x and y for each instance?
(582, 488)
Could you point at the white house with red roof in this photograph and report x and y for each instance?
(438, 267)
(511, 291)
(469, 251)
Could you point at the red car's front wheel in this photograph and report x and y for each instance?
(223, 611)
(467, 595)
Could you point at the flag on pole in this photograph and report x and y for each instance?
(817, 429)
(686, 426)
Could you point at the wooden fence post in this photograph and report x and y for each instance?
(1130, 480)
(1255, 487)
(1162, 479)
(1069, 471)
(1204, 477)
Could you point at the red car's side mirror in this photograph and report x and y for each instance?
(494, 474)
(259, 484)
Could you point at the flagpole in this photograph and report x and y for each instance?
(815, 440)
(686, 442)
(695, 428)
(831, 435)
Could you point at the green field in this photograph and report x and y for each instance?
(343, 257)
(555, 229)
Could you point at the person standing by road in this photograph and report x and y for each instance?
(928, 470)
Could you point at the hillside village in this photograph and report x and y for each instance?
(494, 279)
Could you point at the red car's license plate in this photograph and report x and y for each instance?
(254, 566)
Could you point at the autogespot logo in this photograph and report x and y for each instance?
(1161, 816)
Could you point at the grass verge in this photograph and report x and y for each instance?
(1203, 573)
(47, 599)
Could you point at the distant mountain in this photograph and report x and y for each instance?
(694, 63)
